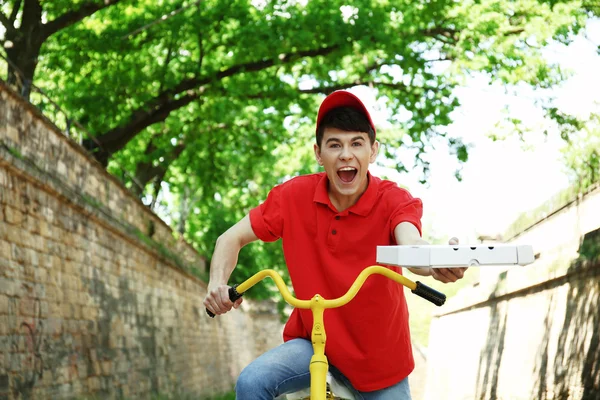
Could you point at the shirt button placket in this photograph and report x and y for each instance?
(333, 232)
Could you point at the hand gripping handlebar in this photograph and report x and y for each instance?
(233, 296)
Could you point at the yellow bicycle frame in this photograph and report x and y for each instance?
(318, 364)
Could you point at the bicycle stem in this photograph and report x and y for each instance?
(318, 363)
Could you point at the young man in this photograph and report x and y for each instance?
(331, 224)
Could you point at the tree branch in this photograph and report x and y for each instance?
(116, 138)
(515, 31)
(247, 67)
(161, 19)
(330, 89)
(159, 108)
(362, 80)
(8, 25)
(201, 47)
(439, 31)
(446, 58)
(170, 47)
(146, 171)
(15, 11)
(71, 17)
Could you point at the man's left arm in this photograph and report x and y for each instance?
(408, 234)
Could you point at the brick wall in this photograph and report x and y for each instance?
(95, 293)
(527, 332)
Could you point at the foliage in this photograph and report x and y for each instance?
(582, 155)
(555, 203)
(528, 218)
(590, 247)
(217, 99)
(581, 158)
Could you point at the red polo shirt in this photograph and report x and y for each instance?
(368, 339)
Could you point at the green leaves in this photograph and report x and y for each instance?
(213, 102)
(582, 154)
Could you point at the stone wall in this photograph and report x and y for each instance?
(96, 295)
(527, 332)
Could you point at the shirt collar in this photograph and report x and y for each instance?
(362, 207)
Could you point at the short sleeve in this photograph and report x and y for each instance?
(267, 218)
(406, 209)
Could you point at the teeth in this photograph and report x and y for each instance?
(347, 169)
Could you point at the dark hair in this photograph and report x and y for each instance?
(347, 119)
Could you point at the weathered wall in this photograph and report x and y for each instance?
(95, 297)
(527, 332)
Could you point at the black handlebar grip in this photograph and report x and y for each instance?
(233, 296)
(430, 294)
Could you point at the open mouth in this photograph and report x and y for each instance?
(347, 174)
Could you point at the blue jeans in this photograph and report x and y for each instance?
(284, 369)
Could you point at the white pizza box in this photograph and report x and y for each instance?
(448, 256)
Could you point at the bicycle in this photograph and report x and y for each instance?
(319, 365)
(408, 256)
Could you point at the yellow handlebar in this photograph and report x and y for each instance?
(416, 287)
(285, 292)
(327, 303)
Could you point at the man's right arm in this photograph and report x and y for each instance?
(223, 262)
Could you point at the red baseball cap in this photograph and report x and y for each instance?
(343, 98)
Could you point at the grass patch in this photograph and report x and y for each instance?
(421, 311)
(179, 396)
(529, 218)
(225, 396)
(167, 254)
(13, 151)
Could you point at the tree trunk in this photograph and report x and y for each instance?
(26, 44)
(184, 209)
(146, 171)
(27, 40)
